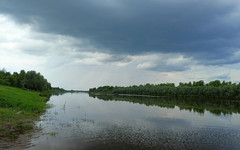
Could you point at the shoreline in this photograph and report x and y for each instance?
(19, 111)
(165, 96)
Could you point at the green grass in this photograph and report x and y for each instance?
(18, 109)
(52, 133)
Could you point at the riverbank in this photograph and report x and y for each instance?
(197, 89)
(18, 110)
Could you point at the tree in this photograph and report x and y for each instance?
(30, 80)
(22, 79)
(215, 83)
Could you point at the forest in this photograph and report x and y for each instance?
(29, 80)
(213, 89)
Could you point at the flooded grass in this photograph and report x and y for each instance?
(52, 133)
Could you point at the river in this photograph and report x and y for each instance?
(80, 121)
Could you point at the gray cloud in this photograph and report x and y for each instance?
(224, 76)
(208, 31)
(118, 58)
(165, 62)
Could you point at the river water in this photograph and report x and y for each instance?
(78, 121)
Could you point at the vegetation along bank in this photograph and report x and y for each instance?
(23, 98)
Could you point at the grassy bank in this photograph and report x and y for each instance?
(18, 109)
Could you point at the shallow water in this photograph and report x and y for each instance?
(78, 121)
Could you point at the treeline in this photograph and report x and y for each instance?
(58, 91)
(213, 89)
(29, 80)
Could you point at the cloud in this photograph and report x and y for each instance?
(163, 62)
(224, 76)
(23, 48)
(120, 42)
(146, 65)
(205, 31)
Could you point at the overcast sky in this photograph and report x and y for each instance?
(79, 44)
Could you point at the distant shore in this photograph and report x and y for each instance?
(214, 89)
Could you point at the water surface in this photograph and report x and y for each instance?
(80, 121)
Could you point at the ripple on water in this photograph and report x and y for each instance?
(92, 124)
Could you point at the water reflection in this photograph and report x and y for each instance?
(77, 121)
(214, 106)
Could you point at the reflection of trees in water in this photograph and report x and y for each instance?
(214, 106)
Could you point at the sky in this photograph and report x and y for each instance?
(80, 44)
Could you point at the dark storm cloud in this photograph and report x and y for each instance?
(168, 68)
(205, 30)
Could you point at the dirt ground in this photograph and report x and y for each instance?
(21, 143)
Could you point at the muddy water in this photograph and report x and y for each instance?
(77, 121)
